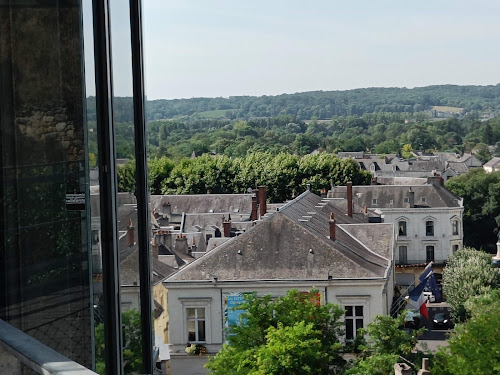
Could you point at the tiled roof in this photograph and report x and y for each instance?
(294, 243)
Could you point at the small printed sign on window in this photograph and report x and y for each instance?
(75, 202)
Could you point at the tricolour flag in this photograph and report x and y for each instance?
(429, 280)
(417, 299)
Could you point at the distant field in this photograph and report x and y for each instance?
(218, 113)
(444, 108)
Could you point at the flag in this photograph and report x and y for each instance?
(417, 300)
(429, 280)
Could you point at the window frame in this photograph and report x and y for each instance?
(429, 224)
(196, 303)
(403, 233)
(427, 249)
(360, 301)
(401, 261)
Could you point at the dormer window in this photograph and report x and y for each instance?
(424, 199)
(374, 201)
(406, 200)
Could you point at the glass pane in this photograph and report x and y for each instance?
(349, 329)
(201, 330)
(191, 330)
(190, 313)
(348, 311)
(201, 313)
(359, 310)
(359, 324)
(44, 241)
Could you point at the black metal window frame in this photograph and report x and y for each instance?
(109, 188)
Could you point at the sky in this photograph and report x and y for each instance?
(221, 48)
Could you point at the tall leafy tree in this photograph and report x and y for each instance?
(474, 347)
(468, 273)
(294, 334)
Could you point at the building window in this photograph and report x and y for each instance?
(455, 227)
(455, 249)
(403, 254)
(374, 201)
(402, 228)
(424, 199)
(429, 228)
(196, 324)
(406, 200)
(353, 321)
(429, 254)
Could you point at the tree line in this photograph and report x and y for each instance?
(285, 175)
(320, 104)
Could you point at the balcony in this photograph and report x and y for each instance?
(19, 351)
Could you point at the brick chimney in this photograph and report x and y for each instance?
(411, 198)
(254, 208)
(154, 248)
(227, 228)
(130, 233)
(262, 200)
(332, 226)
(181, 244)
(349, 198)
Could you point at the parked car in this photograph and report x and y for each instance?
(412, 319)
(429, 296)
(442, 321)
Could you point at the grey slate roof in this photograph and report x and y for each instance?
(493, 162)
(434, 195)
(294, 244)
(204, 203)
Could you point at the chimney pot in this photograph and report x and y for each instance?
(254, 208)
(227, 228)
(332, 226)
(349, 199)
(262, 200)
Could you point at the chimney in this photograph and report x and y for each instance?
(181, 244)
(262, 200)
(130, 233)
(154, 248)
(331, 223)
(193, 246)
(365, 210)
(254, 208)
(425, 367)
(227, 228)
(323, 193)
(349, 198)
(411, 198)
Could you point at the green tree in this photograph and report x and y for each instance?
(469, 273)
(385, 342)
(406, 151)
(480, 192)
(474, 347)
(294, 334)
(132, 345)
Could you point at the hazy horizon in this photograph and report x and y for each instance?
(222, 48)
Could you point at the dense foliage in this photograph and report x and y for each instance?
(474, 347)
(384, 344)
(320, 104)
(469, 273)
(481, 194)
(285, 175)
(132, 344)
(294, 334)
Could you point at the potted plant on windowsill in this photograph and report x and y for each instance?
(195, 349)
